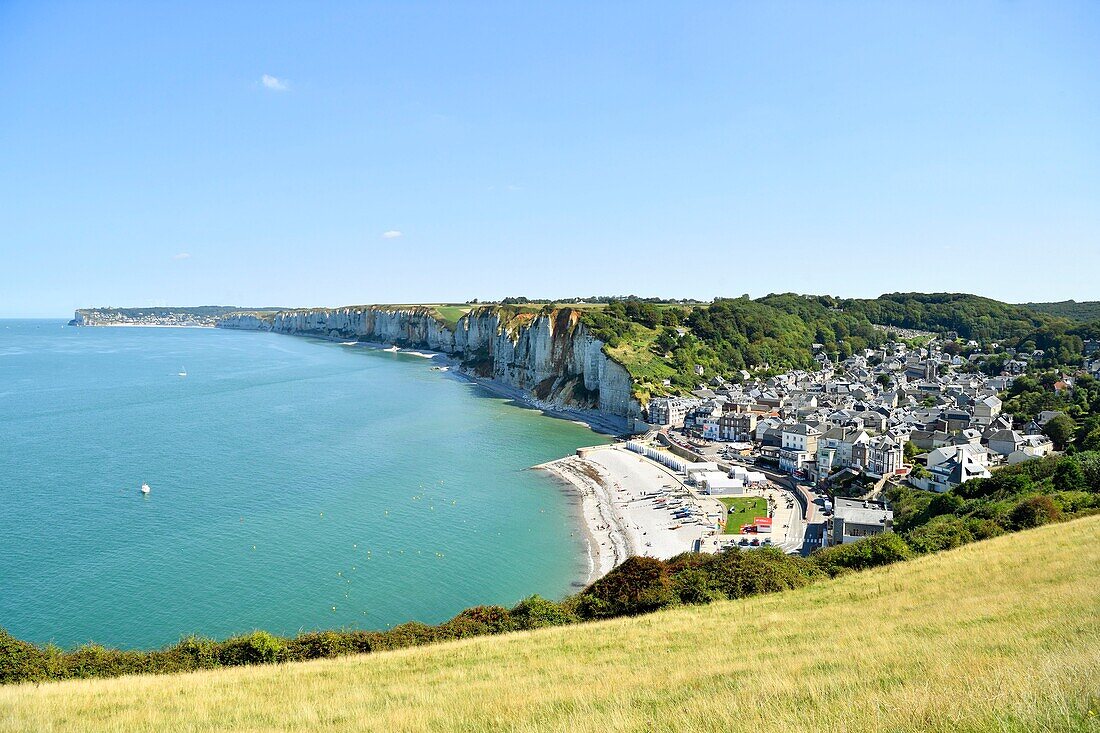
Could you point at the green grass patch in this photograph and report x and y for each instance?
(450, 314)
(745, 510)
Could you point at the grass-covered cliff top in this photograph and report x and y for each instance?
(1000, 635)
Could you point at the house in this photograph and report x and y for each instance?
(1005, 442)
(670, 411)
(1032, 446)
(834, 449)
(879, 456)
(798, 448)
(986, 409)
(1001, 422)
(929, 439)
(737, 426)
(952, 465)
(854, 519)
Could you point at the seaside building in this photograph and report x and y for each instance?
(799, 447)
(854, 518)
(670, 411)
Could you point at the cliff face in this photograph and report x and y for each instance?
(552, 356)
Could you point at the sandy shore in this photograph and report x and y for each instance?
(620, 509)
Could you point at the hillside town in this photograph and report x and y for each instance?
(899, 413)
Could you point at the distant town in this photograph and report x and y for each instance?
(895, 414)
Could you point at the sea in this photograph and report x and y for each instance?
(295, 484)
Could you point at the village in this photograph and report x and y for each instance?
(835, 438)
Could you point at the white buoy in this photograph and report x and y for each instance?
(145, 488)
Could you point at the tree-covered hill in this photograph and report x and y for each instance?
(669, 341)
(1084, 311)
(970, 316)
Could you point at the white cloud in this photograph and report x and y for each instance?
(274, 83)
(391, 234)
(182, 256)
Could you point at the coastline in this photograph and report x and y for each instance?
(623, 506)
(138, 325)
(592, 419)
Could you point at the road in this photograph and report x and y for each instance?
(807, 526)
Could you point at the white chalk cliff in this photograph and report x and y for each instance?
(550, 355)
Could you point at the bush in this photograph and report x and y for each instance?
(983, 529)
(196, 652)
(695, 586)
(869, 552)
(537, 612)
(742, 573)
(639, 585)
(259, 647)
(942, 533)
(410, 633)
(21, 661)
(1068, 476)
(1072, 502)
(494, 619)
(1033, 512)
(319, 645)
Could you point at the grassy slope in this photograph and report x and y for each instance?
(1002, 635)
(646, 368)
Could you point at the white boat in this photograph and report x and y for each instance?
(145, 488)
(183, 371)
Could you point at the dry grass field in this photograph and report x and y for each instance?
(1003, 635)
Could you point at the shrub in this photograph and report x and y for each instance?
(1072, 502)
(21, 661)
(942, 533)
(983, 529)
(639, 585)
(364, 642)
(1068, 476)
(741, 573)
(410, 633)
(460, 628)
(1033, 512)
(197, 652)
(869, 552)
(493, 619)
(255, 648)
(695, 586)
(319, 645)
(537, 612)
(947, 503)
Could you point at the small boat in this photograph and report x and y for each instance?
(183, 371)
(145, 488)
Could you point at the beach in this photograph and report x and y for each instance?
(623, 498)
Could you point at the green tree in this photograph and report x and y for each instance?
(1068, 476)
(1060, 429)
(911, 450)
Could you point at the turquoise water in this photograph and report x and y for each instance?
(296, 484)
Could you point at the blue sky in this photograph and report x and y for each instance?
(329, 153)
